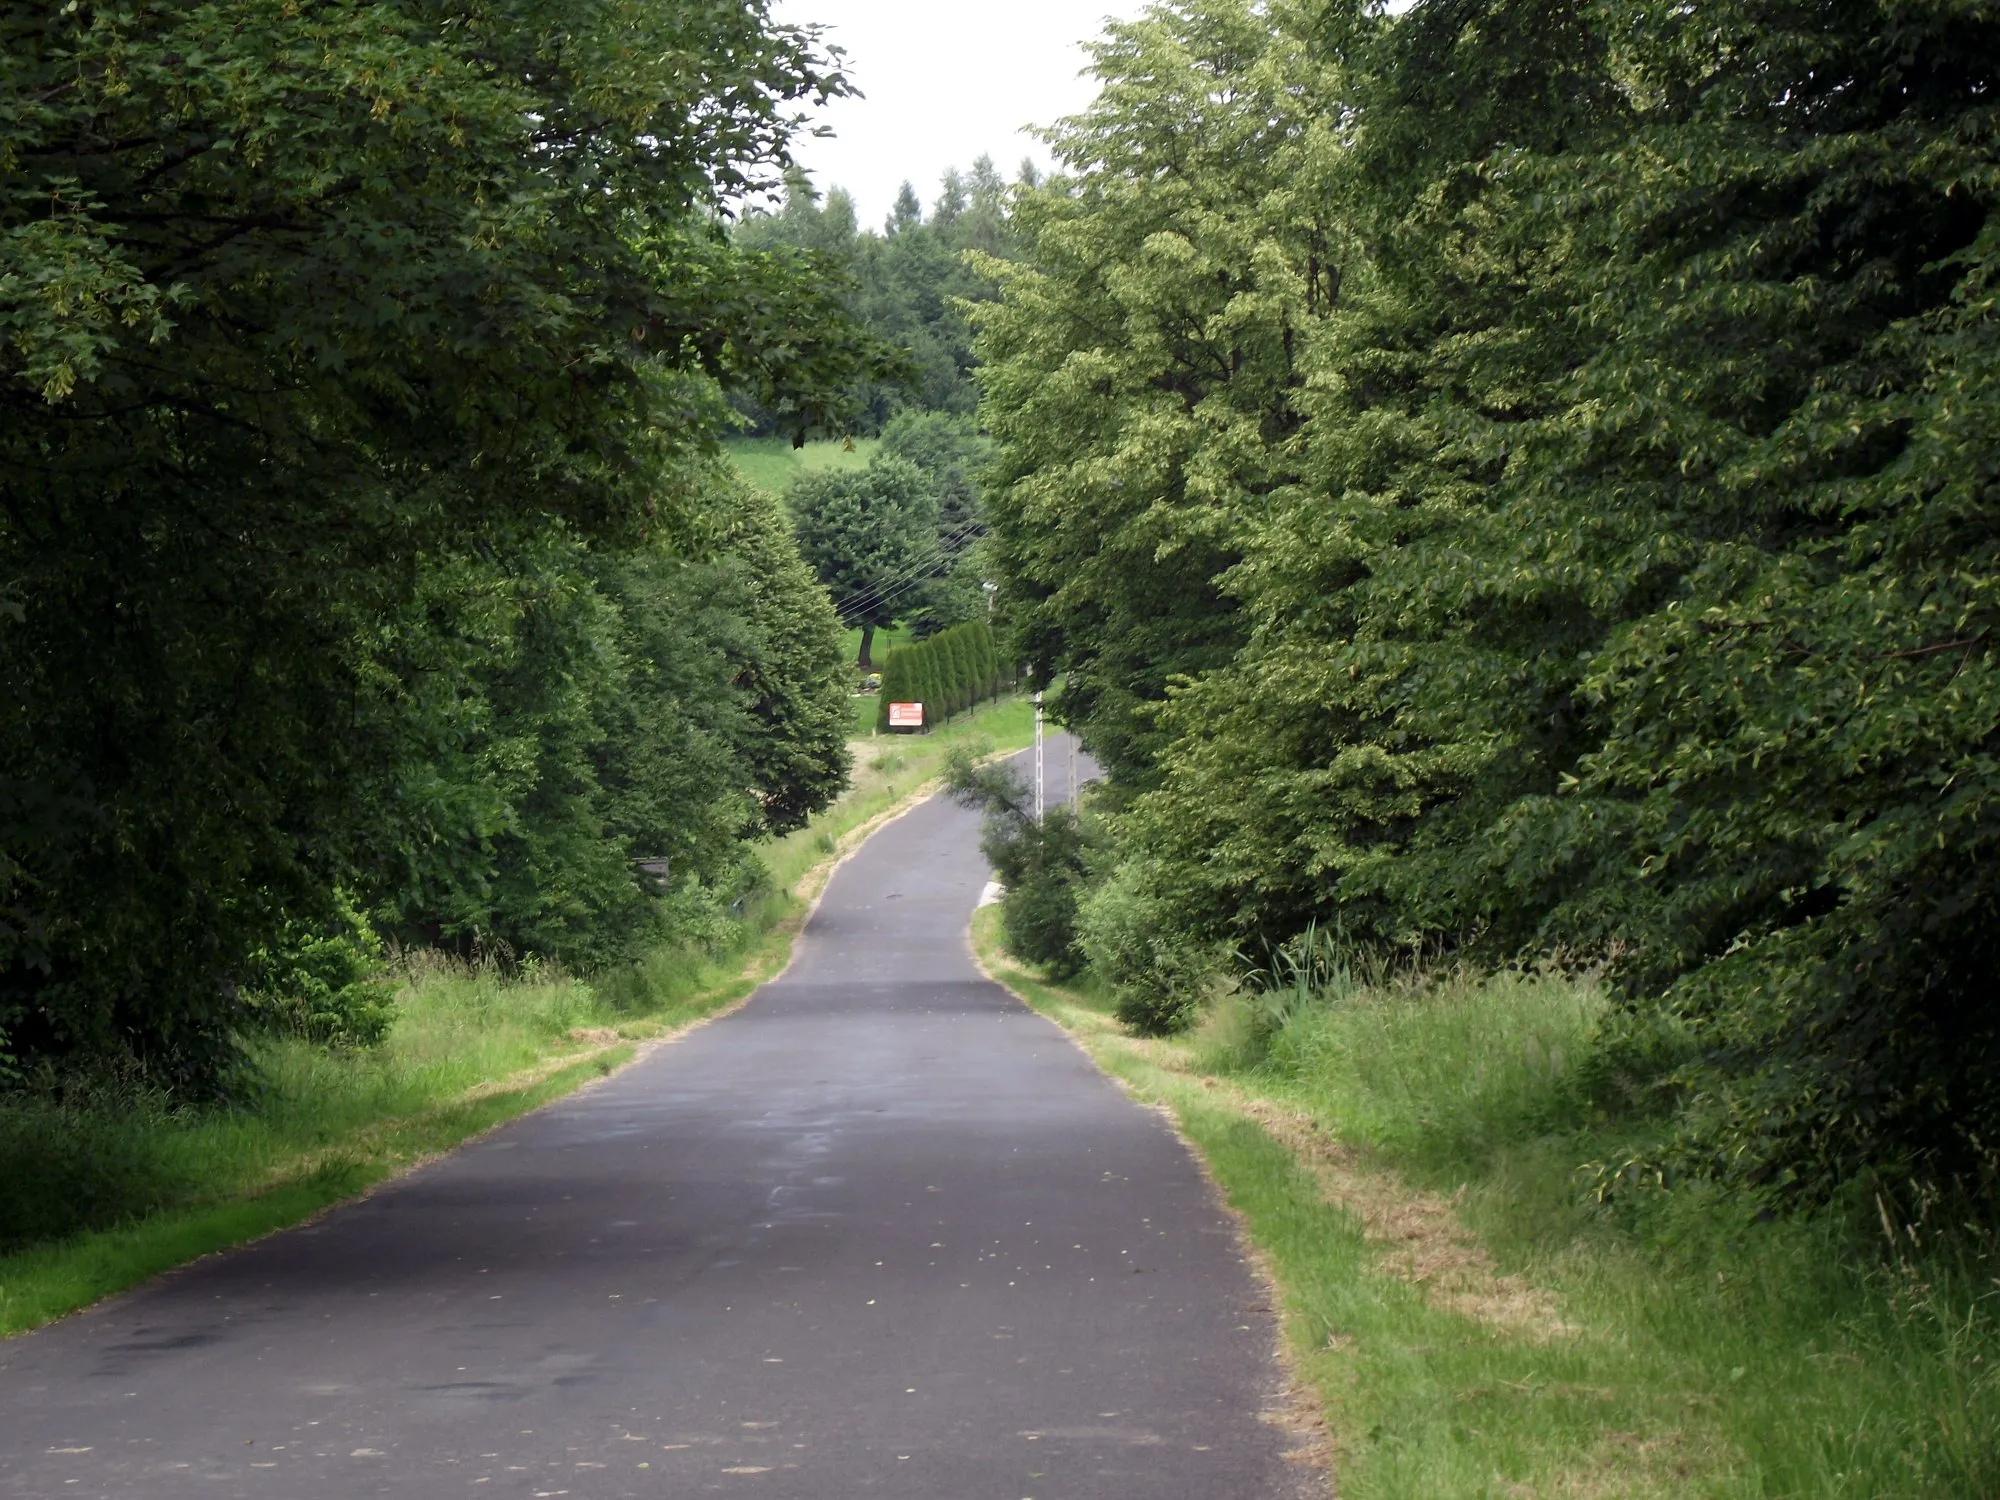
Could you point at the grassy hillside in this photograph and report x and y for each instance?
(771, 462)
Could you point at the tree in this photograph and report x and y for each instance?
(299, 308)
(905, 214)
(790, 669)
(868, 535)
(1508, 476)
(951, 203)
(1043, 863)
(1142, 365)
(950, 450)
(906, 284)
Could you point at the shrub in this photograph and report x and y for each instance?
(964, 672)
(327, 983)
(895, 685)
(947, 673)
(1156, 975)
(1042, 864)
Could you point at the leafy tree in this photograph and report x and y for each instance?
(1141, 368)
(869, 535)
(1508, 475)
(638, 706)
(789, 669)
(301, 309)
(906, 284)
(950, 450)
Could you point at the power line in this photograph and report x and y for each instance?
(922, 570)
(937, 550)
(889, 590)
(889, 596)
(892, 595)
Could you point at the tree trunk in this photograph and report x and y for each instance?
(867, 640)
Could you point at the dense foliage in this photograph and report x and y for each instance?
(948, 673)
(1043, 862)
(354, 360)
(904, 284)
(623, 724)
(870, 536)
(952, 454)
(897, 541)
(1515, 478)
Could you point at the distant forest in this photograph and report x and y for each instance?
(902, 285)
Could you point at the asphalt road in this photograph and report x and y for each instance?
(881, 1232)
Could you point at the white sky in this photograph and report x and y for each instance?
(945, 80)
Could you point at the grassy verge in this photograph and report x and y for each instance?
(100, 1190)
(1405, 1159)
(863, 706)
(770, 463)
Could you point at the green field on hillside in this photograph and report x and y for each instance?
(885, 641)
(771, 462)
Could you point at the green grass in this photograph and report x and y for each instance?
(885, 641)
(104, 1186)
(1475, 1325)
(771, 463)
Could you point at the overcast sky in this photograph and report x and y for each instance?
(945, 81)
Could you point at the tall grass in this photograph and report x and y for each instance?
(1676, 1342)
(1817, 1364)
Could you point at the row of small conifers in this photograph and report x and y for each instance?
(947, 673)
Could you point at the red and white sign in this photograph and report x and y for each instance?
(906, 716)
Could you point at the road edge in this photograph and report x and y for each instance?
(1298, 1409)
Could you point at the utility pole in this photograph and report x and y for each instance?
(1038, 757)
(1072, 770)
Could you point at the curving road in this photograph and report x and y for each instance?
(881, 1232)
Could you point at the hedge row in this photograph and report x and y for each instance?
(948, 674)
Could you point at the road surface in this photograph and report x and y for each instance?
(881, 1232)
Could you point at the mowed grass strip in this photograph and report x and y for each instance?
(1474, 1326)
(771, 463)
(104, 1187)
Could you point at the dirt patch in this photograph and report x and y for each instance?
(600, 1036)
(1625, 1467)
(539, 1072)
(1421, 1238)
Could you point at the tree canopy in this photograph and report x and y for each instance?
(904, 284)
(1507, 479)
(870, 535)
(343, 349)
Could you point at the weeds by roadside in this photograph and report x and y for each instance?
(1405, 1154)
